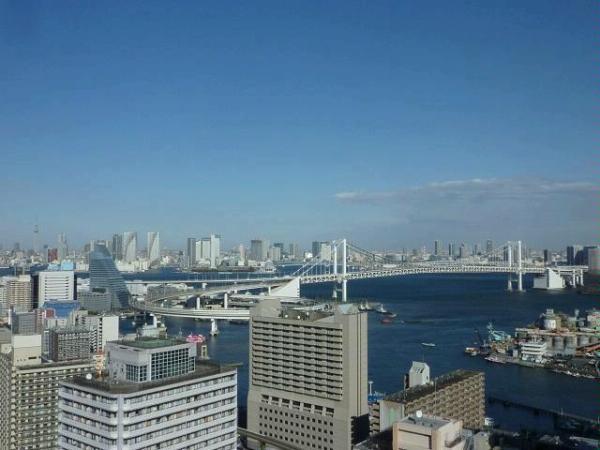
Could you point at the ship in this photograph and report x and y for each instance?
(427, 344)
(471, 351)
(381, 310)
(495, 359)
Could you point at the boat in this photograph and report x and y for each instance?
(386, 321)
(495, 359)
(390, 314)
(427, 344)
(471, 351)
(214, 329)
(381, 310)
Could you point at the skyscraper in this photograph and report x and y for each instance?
(451, 250)
(259, 250)
(190, 251)
(574, 255)
(164, 395)
(104, 274)
(117, 247)
(215, 250)
(436, 248)
(18, 293)
(308, 369)
(130, 246)
(153, 248)
(62, 247)
(489, 246)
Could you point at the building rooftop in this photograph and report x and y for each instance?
(112, 386)
(378, 441)
(438, 383)
(425, 421)
(151, 343)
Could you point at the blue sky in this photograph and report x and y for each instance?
(392, 123)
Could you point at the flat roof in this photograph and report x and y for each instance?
(438, 383)
(112, 386)
(150, 343)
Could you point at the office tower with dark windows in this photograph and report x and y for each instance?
(259, 250)
(29, 393)
(104, 275)
(156, 394)
(436, 248)
(190, 252)
(451, 250)
(153, 248)
(308, 375)
(130, 246)
(117, 247)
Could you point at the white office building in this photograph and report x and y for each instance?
(157, 395)
(54, 285)
(153, 248)
(130, 246)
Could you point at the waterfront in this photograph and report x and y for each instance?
(445, 310)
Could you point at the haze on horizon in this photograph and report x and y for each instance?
(390, 123)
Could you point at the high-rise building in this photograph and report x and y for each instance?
(316, 248)
(156, 395)
(451, 250)
(95, 300)
(18, 293)
(117, 247)
(458, 395)
(215, 250)
(275, 254)
(102, 328)
(69, 343)
(29, 322)
(489, 246)
(130, 246)
(463, 251)
(436, 248)
(52, 255)
(259, 250)
(53, 285)
(294, 251)
(62, 247)
(190, 253)
(547, 256)
(104, 275)
(153, 248)
(29, 394)
(308, 375)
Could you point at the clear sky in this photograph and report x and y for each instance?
(392, 123)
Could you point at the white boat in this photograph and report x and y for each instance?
(428, 344)
(495, 359)
(380, 309)
(214, 329)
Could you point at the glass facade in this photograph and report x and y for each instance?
(104, 274)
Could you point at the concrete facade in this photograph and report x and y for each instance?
(308, 375)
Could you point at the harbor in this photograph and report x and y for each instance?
(565, 344)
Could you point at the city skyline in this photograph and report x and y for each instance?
(393, 125)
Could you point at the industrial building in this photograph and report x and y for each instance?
(308, 375)
(156, 394)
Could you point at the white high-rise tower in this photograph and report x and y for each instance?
(153, 247)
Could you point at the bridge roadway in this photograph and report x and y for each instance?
(374, 273)
(221, 313)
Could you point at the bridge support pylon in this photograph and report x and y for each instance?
(509, 284)
(520, 281)
(344, 290)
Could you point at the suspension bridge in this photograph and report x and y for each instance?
(338, 262)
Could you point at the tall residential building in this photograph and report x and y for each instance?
(130, 246)
(18, 292)
(259, 250)
(53, 285)
(69, 343)
(190, 252)
(458, 395)
(29, 394)
(116, 248)
(294, 251)
(156, 395)
(104, 275)
(308, 375)
(275, 254)
(153, 248)
(463, 251)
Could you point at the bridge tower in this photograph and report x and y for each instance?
(344, 271)
(519, 267)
